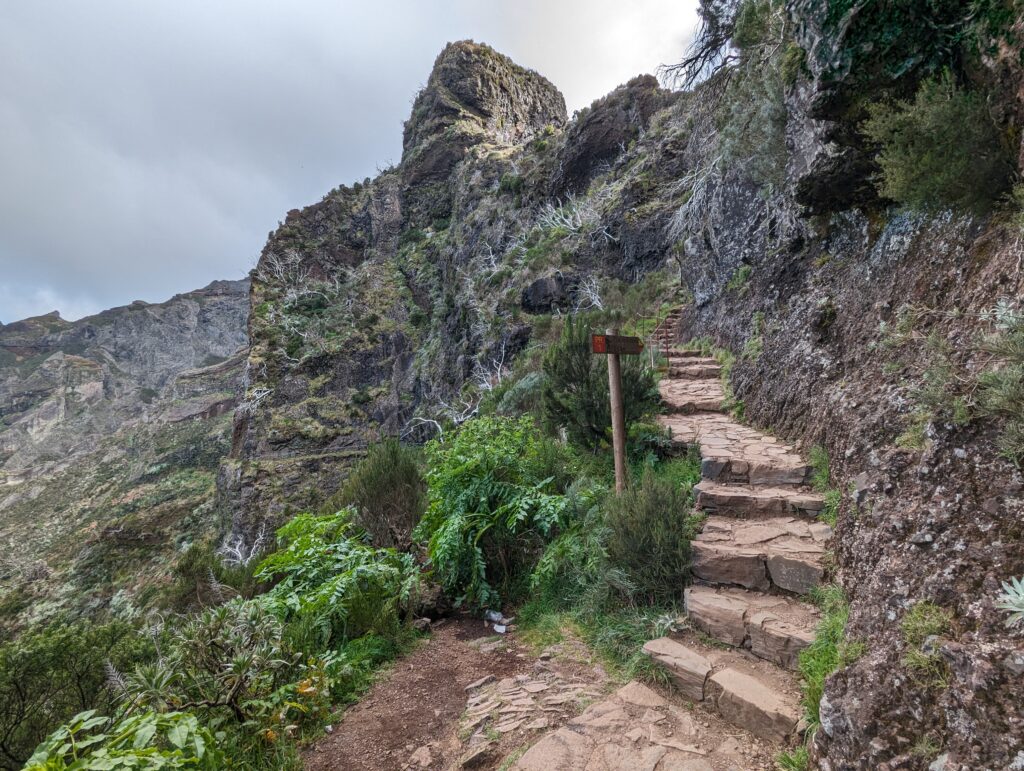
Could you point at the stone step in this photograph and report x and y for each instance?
(685, 396)
(638, 729)
(695, 371)
(753, 695)
(782, 552)
(732, 452)
(697, 356)
(772, 627)
(757, 501)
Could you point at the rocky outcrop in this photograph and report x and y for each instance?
(111, 428)
(391, 305)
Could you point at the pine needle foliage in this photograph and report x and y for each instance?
(575, 395)
(940, 151)
(649, 534)
(387, 492)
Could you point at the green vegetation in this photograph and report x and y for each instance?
(575, 392)
(923, 621)
(494, 502)
(941, 150)
(1012, 599)
(829, 651)
(752, 116)
(387, 492)
(149, 740)
(794, 760)
(739, 280)
(821, 481)
(649, 534)
(1001, 391)
(52, 673)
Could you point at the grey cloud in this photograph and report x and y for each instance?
(148, 147)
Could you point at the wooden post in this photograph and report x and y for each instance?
(618, 420)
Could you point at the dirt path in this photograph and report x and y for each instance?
(410, 719)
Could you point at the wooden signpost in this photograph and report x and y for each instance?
(613, 346)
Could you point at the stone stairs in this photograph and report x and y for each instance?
(760, 550)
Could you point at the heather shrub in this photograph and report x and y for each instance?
(387, 492)
(940, 150)
(649, 532)
(575, 393)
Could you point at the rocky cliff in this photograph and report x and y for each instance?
(393, 306)
(111, 429)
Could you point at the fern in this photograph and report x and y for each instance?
(492, 506)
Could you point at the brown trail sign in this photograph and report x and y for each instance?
(612, 346)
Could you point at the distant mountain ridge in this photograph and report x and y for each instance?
(101, 414)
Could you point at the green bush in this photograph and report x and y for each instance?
(941, 150)
(387, 492)
(493, 505)
(649, 532)
(50, 674)
(149, 740)
(224, 662)
(334, 583)
(575, 392)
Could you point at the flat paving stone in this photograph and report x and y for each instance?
(732, 452)
(648, 734)
(695, 371)
(756, 696)
(783, 551)
(772, 627)
(685, 396)
(757, 501)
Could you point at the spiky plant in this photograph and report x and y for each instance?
(1012, 599)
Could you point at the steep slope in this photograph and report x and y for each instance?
(392, 306)
(111, 429)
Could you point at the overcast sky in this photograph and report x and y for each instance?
(147, 148)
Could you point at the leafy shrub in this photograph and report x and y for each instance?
(1001, 391)
(941, 150)
(575, 394)
(491, 507)
(201, 576)
(574, 571)
(332, 581)
(510, 184)
(224, 661)
(387, 492)
(149, 740)
(649, 537)
(50, 674)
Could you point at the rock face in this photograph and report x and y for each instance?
(388, 307)
(111, 429)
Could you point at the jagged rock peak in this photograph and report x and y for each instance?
(482, 94)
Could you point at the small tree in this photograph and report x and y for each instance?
(941, 150)
(575, 395)
(388, 493)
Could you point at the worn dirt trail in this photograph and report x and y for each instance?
(410, 718)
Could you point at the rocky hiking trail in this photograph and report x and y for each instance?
(760, 549)
(468, 699)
